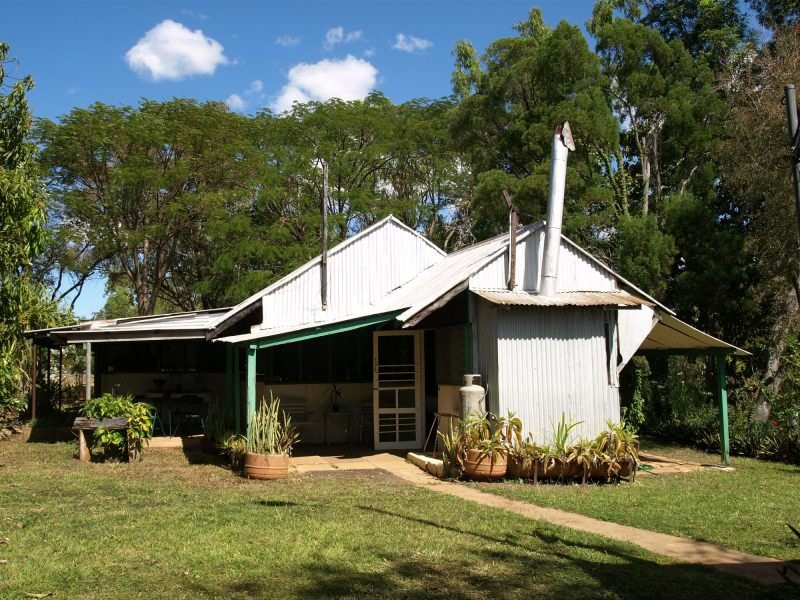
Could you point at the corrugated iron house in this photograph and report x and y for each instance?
(400, 325)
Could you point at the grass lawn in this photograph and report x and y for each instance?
(746, 509)
(166, 527)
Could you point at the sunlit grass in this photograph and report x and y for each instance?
(746, 508)
(169, 528)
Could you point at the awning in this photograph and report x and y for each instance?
(266, 338)
(671, 336)
(521, 298)
(172, 326)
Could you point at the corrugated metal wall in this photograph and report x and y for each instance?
(575, 271)
(484, 341)
(359, 274)
(553, 361)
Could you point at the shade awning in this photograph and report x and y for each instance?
(522, 298)
(671, 334)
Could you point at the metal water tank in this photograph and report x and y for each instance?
(472, 395)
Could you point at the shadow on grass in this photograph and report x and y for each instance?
(536, 562)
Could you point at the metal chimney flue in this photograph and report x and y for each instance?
(562, 144)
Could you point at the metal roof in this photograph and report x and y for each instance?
(671, 333)
(184, 325)
(521, 298)
(251, 303)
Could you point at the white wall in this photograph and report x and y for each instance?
(360, 274)
(575, 271)
(317, 401)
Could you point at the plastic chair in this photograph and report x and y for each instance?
(193, 413)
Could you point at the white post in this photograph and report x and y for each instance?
(562, 144)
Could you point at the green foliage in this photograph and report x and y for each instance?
(510, 102)
(23, 301)
(776, 13)
(269, 431)
(644, 253)
(708, 29)
(142, 183)
(111, 441)
(562, 435)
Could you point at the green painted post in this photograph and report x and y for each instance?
(722, 395)
(229, 382)
(237, 390)
(251, 381)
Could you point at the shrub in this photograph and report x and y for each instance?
(112, 442)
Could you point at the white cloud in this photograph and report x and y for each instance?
(349, 78)
(235, 102)
(171, 51)
(337, 35)
(353, 36)
(191, 13)
(410, 43)
(287, 41)
(369, 52)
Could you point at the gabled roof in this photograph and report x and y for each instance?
(252, 303)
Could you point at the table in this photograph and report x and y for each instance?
(82, 424)
(338, 415)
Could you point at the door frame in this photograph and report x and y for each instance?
(419, 388)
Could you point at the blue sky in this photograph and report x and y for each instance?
(250, 54)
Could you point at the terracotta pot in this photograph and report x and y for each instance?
(266, 466)
(561, 469)
(481, 467)
(520, 468)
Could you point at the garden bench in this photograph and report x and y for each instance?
(83, 424)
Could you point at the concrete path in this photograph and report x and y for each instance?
(762, 569)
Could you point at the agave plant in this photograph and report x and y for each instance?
(269, 431)
(562, 433)
(451, 449)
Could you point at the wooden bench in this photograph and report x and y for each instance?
(83, 424)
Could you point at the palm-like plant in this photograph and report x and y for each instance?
(585, 455)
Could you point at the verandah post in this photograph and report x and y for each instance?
(251, 381)
(237, 390)
(722, 397)
(229, 382)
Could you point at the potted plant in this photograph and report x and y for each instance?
(484, 452)
(451, 447)
(584, 456)
(236, 445)
(556, 463)
(270, 438)
(620, 446)
(216, 431)
(114, 442)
